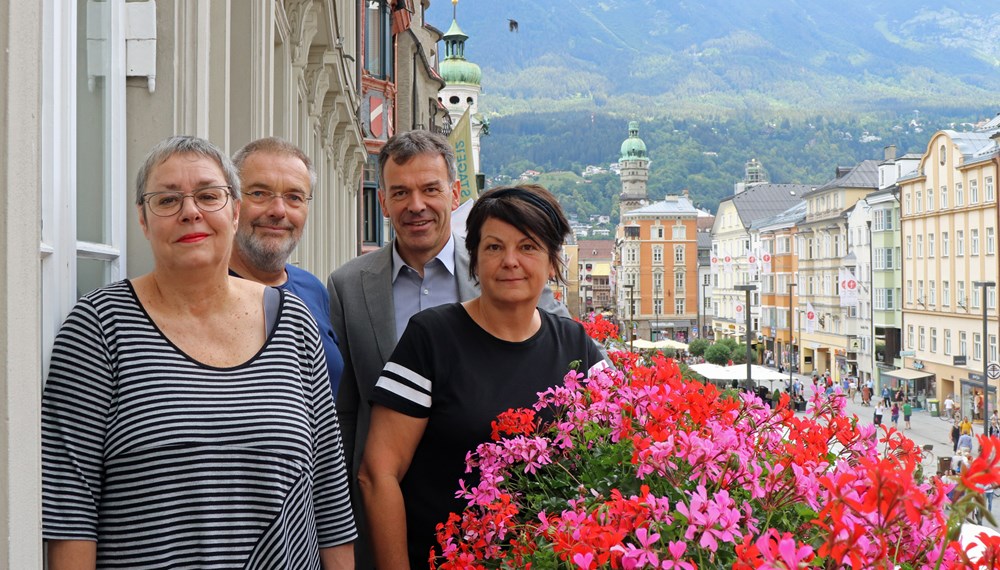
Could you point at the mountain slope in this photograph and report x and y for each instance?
(706, 57)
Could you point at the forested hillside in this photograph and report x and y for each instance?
(705, 157)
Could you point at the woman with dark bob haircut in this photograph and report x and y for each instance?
(458, 366)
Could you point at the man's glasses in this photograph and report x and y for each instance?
(292, 199)
(208, 199)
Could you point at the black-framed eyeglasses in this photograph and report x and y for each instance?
(294, 199)
(207, 199)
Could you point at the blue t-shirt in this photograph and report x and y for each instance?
(307, 287)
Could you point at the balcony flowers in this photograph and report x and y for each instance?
(637, 467)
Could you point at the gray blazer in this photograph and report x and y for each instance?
(363, 316)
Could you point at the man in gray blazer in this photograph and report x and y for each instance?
(372, 297)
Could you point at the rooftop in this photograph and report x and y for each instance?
(864, 175)
(669, 206)
(765, 200)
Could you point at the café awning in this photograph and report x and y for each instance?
(907, 373)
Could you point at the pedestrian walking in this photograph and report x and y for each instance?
(965, 443)
(886, 394)
(907, 412)
(956, 431)
(966, 426)
(949, 407)
(879, 411)
(894, 416)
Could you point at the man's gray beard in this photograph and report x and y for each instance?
(258, 255)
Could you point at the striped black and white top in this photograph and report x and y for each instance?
(168, 462)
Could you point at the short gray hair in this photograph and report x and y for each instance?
(279, 146)
(169, 147)
(404, 146)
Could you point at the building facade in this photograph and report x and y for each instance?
(89, 87)
(594, 259)
(779, 295)
(828, 342)
(732, 248)
(656, 270)
(949, 227)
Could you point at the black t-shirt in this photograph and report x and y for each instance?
(449, 370)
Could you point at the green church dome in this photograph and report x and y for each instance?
(633, 148)
(460, 71)
(455, 68)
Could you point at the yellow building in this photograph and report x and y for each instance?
(949, 231)
(594, 268)
(822, 246)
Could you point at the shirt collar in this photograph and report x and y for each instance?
(446, 256)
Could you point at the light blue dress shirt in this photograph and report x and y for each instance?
(412, 294)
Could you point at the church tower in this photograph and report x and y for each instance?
(634, 167)
(462, 83)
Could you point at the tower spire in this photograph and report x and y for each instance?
(454, 9)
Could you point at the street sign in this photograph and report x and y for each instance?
(959, 360)
(694, 330)
(907, 353)
(993, 370)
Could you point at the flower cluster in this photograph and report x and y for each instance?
(636, 467)
(599, 328)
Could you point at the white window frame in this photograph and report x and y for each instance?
(59, 248)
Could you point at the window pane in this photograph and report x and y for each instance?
(91, 274)
(93, 166)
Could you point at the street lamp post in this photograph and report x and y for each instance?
(698, 322)
(791, 334)
(656, 314)
(701, 311)
(631, 307)
(746, 311)
(985, 285)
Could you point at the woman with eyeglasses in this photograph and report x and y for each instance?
(458, 366)
(187, 419)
